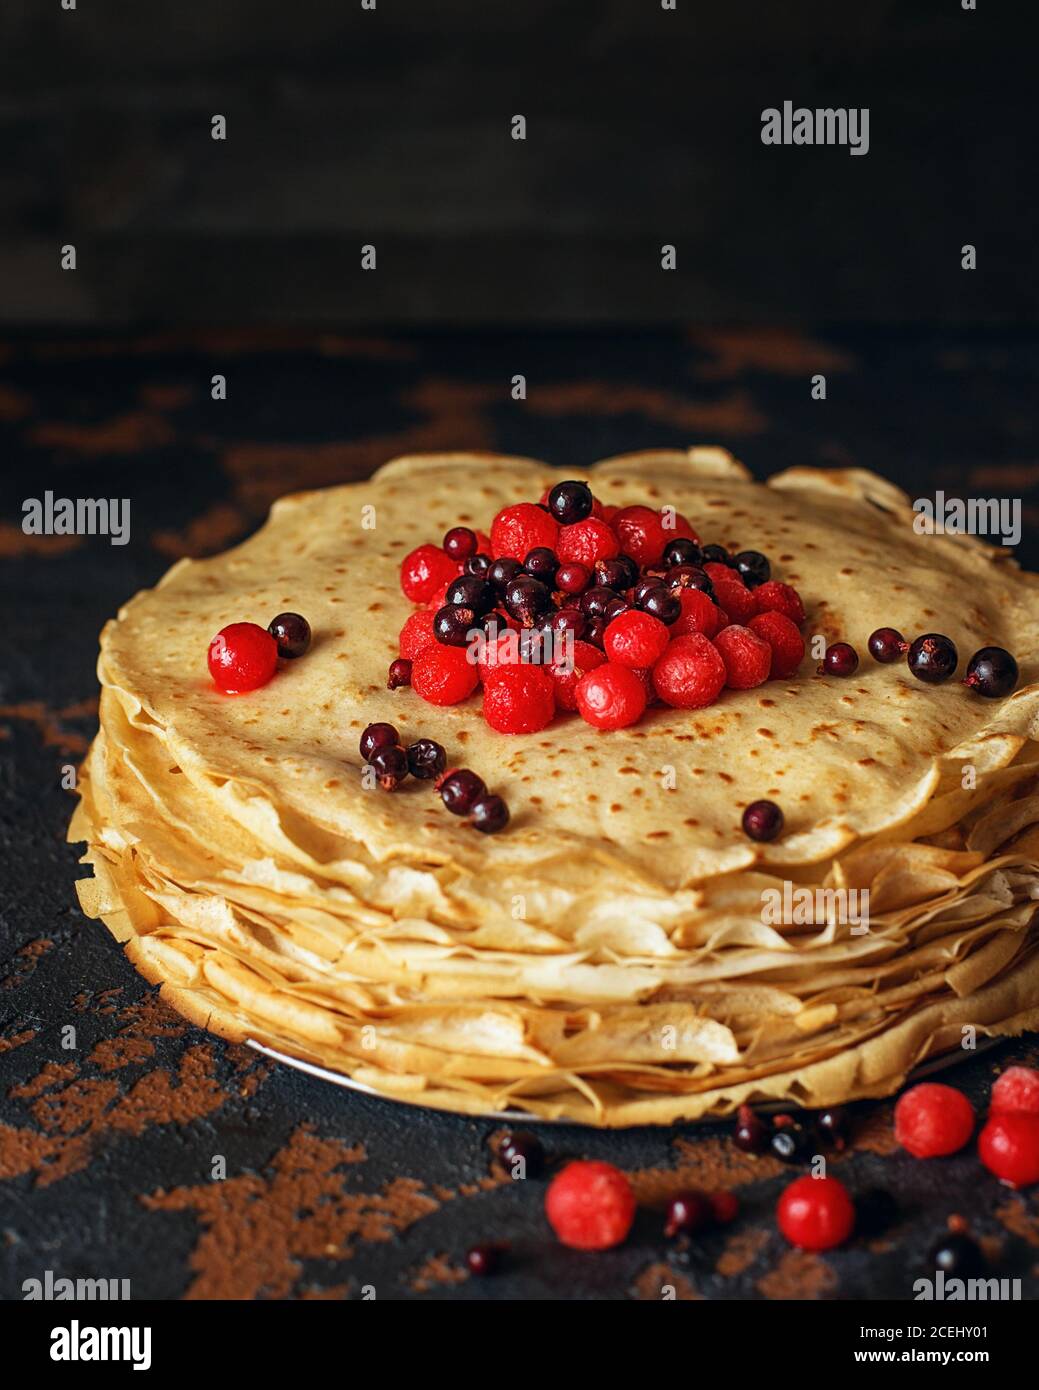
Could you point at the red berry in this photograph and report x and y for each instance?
(773, 597)
(590, 1206)
(443, 675)
(586, 541)
(611, 697)
(242, 656)
(635, 639)
(1016, 1089)
(642, 535)
(747, 657)
(699, 614)
(424, 571)
(691, 672)
(519, 699)
(1009, 1147)
(932, 1120)
(816, 1213)
(416, 633)
(460, 543)
(731, 594)
(788, 648)
(518, 530)
(585, 658)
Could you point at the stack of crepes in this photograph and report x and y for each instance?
(605, 959)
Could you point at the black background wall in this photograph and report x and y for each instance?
(391, 127)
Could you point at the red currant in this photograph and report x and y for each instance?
(443, 675)
(425, 570)
(816, 1213)
(519, 699)
(567, 678)
(699, 614)
(518, 530)
(635, 639)
(1016, 1089)
(691, 673)
(773, 597)
(747, 657)
(242, 656)
(932, 1120)
(611, 697)
(1009, 1147)
(590, 1206)
(788, 648)
(587, 541)
(416, 633)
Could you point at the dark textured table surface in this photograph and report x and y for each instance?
(135, 1146)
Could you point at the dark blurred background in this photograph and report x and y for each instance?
(391, 127)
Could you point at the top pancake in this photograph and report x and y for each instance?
(845, 759)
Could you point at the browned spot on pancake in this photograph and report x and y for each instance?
(799, 1274)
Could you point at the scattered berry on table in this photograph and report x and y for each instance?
(460, 543)
(747, 657)
(886, 645)
(1016, 1089)
(1009, 1147)
(590, 1206)
(377, 736)
(482, 1260)
(687, 1213)
(610, 696)
(291, 632)
(522, 1153)
(489, 814)
(242, 657)
(443, 675)
(956, 1255)
(932, 1120)
(991, 672)
(519, 699)
(762, 820)
(459, 790)
(691, 673)
(390, 765)
(425, 570)
(570, 502)
(932, 658)
(791, 1143)
(816, 1213)
(635, 638)
(751, 1134)
(840, 659)
(832, 1124)
(587, 541)
(788, 648)
(399, 673)
(426, 759)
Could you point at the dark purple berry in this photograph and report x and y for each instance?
(643, 589)
(527, 599)
(573, 578)
(752, 1134)
(932, 658)
(469, 591)
(595, 601)
(399, 673)
(753, 568)
(522, 1147)
(832, 1123)
(956, 1255)
(617, 574)
(791, 1142)
(717, 555)
(390, 765)
(292, 634)
(593, 633)
(460, 789)
(460, 542)
(762, 820)
(991, 672)
(682, 551)
(686, 1213)
(489, 814)
(426, 759)
(690, 577)
(453, 624)
(478, 565)
(503, 571)
(482, 1260)
(886, 645)
(378, 736)
(569, 502)
(615, 609)
(542, 563)
(568, 620)
(662, 604)
(841, 659)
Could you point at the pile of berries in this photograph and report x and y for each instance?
(462, 791)
(572, 605)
